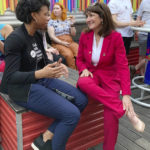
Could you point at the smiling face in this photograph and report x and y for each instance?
(57, 11)
(41, 18)
(93, 21)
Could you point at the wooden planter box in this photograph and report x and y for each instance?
(20, 127)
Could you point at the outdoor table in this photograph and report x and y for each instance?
(142, 100)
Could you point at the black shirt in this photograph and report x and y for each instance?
(23, 55)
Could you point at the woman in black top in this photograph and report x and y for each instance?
(30, 78)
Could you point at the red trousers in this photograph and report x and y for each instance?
(113, 108)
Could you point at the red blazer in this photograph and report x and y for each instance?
(112, 68)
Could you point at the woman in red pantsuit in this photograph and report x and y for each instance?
(103, 70)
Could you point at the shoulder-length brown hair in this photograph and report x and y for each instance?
(64, 12)
(103, 11)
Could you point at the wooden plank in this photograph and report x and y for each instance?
(128, 133)
(119, 147)
(130, 145)
(127, 124)
(144, 143)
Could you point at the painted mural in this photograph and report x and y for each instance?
(71, 5)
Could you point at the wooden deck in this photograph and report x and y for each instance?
(128, 138)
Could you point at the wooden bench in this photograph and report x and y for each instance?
(19, 127)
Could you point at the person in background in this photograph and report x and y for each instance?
(1, 46)
(52, 53)
(31, 80)
(103, 71)
(5, 30)
(121, 11)
(60, 30)
(142, 15)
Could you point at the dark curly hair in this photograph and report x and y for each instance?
(26, 7)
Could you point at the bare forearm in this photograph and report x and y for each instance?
(56, 40)
(54, 37)
(51, 33)
(2, 47)
(39, 74)
(9, 29)
(121, 24)
(73, 31)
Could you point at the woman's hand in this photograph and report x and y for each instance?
(65, 70)
(65, 43)
(49, 54)
(71, 18)
(52, 50)
(86, 73)
(53, 71)
(127, 105)
(50, 71)
(136, 23)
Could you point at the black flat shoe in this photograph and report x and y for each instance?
(39, 144)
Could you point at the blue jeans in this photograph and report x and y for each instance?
(45, 101)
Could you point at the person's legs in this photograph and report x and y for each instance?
(67, 53)
(127, 43)
(111, 123)
(113, 108)
(92, 88)
(141, 65)
(44, 101)
(142, 39)
(74, 47)
(80, 98)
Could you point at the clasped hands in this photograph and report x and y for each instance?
(137, 23)
(55, 70)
